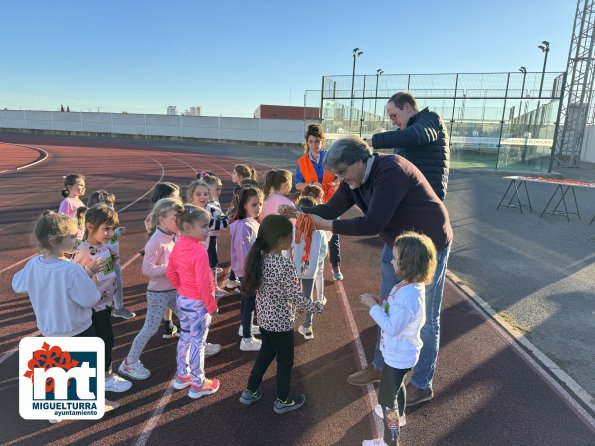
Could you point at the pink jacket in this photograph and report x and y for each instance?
(189, 272)
(271, 205)
(157, 252)
(69, 206)
(243, 235)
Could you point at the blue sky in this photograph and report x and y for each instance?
(230, 56)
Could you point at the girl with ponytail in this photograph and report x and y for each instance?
(74, 189)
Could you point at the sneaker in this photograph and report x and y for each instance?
(416, 395)
(375, 442)
(231, 284)
(308, 333)
(209, 386)
(364, 377)
(219, 292)
(250, 397)
(289, 404)
(123, 313)
(169, 330)
(380, 414)
(117, 384)
(111, 405)
(337, 274)
(211, 349)
(55, 420)
(255, 330)
(182, 381)
(135, 370)
(250, 344)
(322, 300)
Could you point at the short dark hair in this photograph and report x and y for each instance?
(402, 98)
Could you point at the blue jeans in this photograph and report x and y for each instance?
(423, 372)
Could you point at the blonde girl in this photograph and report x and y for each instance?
(161, 294)
(188, 271)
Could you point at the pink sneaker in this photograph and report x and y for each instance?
(182, 382)
(209, 386)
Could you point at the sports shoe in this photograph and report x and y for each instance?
(248, 397)
(289, 404)
(211, 349)
(209, 386)
(416, 395)
(337, 274)
(117, 384)
(123, 313)
(255, 330)
(322, 300)
(135, 370)
(364, 377)
(219, 293)
(111, 405)
(182, 381)
(169, 330)
(308, 333)
(250, 344)
(55, 420)
(375, 442)
(380, 414)
(231, 284)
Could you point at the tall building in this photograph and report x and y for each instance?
(171, 110)
(194, 111)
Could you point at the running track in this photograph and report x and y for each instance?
(484, 393)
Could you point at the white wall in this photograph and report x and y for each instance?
(206, 127)
(588, 149)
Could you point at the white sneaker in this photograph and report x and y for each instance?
(374, 442)
(134, 371)
(255, 330)
(211, 349)
(380, 414)
(231, 284)
(55, 420)
(115, 383)
(219, 293)
(250, 344)
(307, 333)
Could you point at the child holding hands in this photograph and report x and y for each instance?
(401, 315)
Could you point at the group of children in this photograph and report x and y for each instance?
(77, 279)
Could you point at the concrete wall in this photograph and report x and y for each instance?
(588, 149)
(280, 131)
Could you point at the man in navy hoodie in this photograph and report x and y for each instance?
(395, 197)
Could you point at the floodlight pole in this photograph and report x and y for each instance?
(545, 47)
(378, 74)
(356, 53)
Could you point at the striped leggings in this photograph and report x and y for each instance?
(194, 327)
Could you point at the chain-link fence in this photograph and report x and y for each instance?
(495, 120)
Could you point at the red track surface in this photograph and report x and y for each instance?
(484, 393)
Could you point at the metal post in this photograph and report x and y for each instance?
(555, 139)
(545, 47)
(361, 120)
(522, 91)
(321, 99)
(454, 101)
(502, 120)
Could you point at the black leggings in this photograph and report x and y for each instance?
(279, 345)
(391, 396)
(102, 323)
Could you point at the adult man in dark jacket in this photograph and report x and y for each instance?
(422, 139)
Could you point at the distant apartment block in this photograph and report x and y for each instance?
(171, 110)
(286, 112)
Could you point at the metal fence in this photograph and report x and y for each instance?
(495, 120)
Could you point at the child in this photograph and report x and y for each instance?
(74, 189)
(188, 271)
(199, 194)
(109, 199)
(61, 293)
(243, 234)
(277, 288)
(307, 273)
(161, 294)
(164, 190)
(277, 185)
(81, 212)
(401, 315)
(214, 207)
(101, 221)
(244, 176)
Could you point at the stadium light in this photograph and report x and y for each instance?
(545, 48)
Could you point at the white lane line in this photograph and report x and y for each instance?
(184, 162)
(46, 155)
(370, 392)
(17, 263)
(152, 421)
(150, 189)
(542, 365)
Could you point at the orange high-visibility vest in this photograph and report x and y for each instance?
(310, 175)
